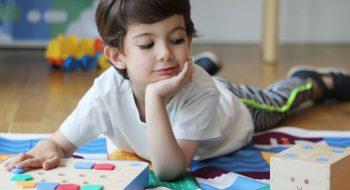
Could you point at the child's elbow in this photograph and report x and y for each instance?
(167, 174)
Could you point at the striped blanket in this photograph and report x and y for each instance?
(246, 169)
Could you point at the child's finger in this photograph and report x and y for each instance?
(184, 71)
(30, 163)
(187, 74)
(51, 163)
(17, 159)
(7, 161)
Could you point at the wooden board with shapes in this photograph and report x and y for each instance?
(125, 175)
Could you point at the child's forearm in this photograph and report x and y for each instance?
(167, 158)
(63, 143)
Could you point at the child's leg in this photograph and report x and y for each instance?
(330, 83)
(268, 106)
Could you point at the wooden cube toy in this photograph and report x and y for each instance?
(80, 174)
(310, 167)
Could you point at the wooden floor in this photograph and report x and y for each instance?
(35, 99)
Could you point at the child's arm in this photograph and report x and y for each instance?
(46, 153)
(169, 157)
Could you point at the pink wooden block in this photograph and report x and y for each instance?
(68, 187)
(104, 167)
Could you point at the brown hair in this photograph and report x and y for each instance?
(113, 17)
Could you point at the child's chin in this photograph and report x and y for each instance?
(164, 77)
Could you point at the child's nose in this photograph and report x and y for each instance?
(165, 53)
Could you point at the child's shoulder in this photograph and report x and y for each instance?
(201, 78)
(111, 80)
(200, 85)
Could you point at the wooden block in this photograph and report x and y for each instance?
(104, 166)
(22, 177)
(18, 170)
(47, 186)
(26, 184)
(84, 165)
(68, 187)
(92, 187)
(310, 167)
(265, 188)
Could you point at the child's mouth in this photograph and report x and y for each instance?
(168, 71)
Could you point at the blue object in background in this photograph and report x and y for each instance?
(40, 20)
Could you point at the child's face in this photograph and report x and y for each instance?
(157, 51)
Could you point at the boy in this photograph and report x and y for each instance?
(160, 106)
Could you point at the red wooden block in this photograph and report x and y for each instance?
(68, 187)
(104, 167)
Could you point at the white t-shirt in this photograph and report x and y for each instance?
(204, 110)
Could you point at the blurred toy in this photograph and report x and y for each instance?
(310, 167)
(71, 53)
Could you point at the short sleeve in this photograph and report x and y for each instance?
(87, 121)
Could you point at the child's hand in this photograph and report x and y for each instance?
(44, 155)
(167, 88)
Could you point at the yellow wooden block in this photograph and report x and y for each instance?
(26, 184)
(3, 157)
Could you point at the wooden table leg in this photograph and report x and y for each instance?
(269, 47)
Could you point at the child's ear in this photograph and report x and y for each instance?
(115, 57)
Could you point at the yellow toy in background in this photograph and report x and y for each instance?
(86, 47)
(70, 53)
(103, 62)
(69, 46)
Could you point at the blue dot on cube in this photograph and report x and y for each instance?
(307, 147)
(290, 155)
(338, 151)
(135, 164)
(322, 159)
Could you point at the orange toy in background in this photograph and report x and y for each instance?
(71, 53)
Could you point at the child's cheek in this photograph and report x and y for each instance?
(183, 63)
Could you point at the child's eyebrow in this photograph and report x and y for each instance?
(177, 28)
(148, 34)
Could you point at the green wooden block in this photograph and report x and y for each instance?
(92, 187)
(22, 177)
(265, 188)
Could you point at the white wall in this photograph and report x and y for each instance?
(301, 21)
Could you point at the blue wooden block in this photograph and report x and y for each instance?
(84, 165)
(18, 170)
(46, 186)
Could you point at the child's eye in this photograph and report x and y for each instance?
(146, 46)
(177, 41)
